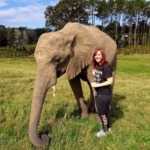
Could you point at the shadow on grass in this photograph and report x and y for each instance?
(117, 112)
(114, 112)
(63, 112)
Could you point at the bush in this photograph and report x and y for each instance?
(30, 49)
(6, 51)
(19, 51)
(134, 50)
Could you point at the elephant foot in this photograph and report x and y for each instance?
(84, 115)
(83, 109)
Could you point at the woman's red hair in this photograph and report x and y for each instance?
(103, 60)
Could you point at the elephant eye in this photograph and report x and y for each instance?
(56, 59)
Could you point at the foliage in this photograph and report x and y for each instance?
(40, 31)
(30, 49)
(3, 37)
(134, 50)
(20, 51)
(10, 36)
(16, 37)
(66, 11)
(130, 125)
(125, 14)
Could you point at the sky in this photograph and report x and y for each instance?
(24, 13)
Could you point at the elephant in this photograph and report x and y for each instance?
(68, 51)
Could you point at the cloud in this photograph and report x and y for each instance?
(23, 16)
(31, 16)
(3, 3)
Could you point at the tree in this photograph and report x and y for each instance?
(21, 36)
(91, 9)
(102, 12)
(3, 36)
(130, 12)
(32, 36)
(10, 36)
(118, 10)
(138, 10)
(66, 11)
(40, 31)
(135, 9)
(145, 23)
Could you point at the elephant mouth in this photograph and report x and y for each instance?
(60, 73)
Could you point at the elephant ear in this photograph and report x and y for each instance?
(82, 51)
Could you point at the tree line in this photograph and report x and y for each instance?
(126, 21)
(14, 37)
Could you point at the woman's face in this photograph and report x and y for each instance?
(98, 56)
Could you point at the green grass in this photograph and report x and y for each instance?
(131, 102)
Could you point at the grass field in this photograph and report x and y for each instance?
(131, 102)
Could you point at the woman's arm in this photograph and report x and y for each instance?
(108, 82)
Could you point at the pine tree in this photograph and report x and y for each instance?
(66, 11)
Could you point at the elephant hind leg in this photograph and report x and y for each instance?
(75, 84)
(110, 110)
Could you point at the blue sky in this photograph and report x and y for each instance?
(24, 13)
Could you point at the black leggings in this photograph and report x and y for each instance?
(102, 102)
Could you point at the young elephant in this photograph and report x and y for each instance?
(68, 51)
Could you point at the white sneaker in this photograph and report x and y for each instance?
(109, 130)
(100, 133)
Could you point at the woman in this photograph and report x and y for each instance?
(102, 83)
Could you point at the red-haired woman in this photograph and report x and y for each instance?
(102, 83)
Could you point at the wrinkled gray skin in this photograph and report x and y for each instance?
(68, 51)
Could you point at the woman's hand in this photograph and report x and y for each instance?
(109, 81)
(93, 84)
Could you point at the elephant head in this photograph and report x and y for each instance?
(66, 51)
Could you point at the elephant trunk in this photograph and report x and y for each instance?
(39, 93)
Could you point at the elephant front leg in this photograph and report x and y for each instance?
(91, 105)
(78, 93)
